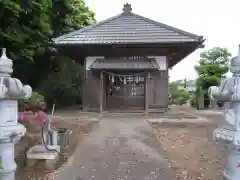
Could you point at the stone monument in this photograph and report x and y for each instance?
(11, 89)
(229, 93)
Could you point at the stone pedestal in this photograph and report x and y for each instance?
(7, 163)
(39, 152)
(10, 133)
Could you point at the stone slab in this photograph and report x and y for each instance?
(40, 152)
(178, 120)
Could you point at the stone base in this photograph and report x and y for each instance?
(226, 176)
(39, 152)
(224, 134)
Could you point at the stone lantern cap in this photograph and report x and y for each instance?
(10, 87)
(6, 64)
(235, 62)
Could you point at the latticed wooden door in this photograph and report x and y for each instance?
(125, 92)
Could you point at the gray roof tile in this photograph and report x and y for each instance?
(139, 64)
(125, 28)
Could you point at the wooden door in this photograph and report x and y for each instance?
(125, 92)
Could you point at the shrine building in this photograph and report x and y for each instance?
(126, 60)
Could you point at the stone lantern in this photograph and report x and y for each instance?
(11, 89)
(229, 93)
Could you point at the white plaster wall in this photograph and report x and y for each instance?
(90, 60)
(162, 61)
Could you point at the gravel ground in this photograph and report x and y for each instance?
(121, 148)
(126, 148)
(191, 150)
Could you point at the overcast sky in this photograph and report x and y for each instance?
(217, 20)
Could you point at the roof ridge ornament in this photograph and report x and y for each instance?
(127, 8)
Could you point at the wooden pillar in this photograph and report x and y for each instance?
(101, 93)
(84, 87)
(147, 75)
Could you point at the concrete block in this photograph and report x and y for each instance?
(39, 152)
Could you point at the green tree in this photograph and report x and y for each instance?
(27, 27)
(64, 77)
(25, 33)
(212, 65)
(69, 15)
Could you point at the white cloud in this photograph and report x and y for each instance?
(213, 19)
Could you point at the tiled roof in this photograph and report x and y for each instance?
(146, 63)
(127, 28)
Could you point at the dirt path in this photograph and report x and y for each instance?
(118, 149)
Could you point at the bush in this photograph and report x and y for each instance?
(180, 101)
(181, 97)
(193, 100)
(178, 96)
(35, 103)
(63, 86)
(184, 95)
